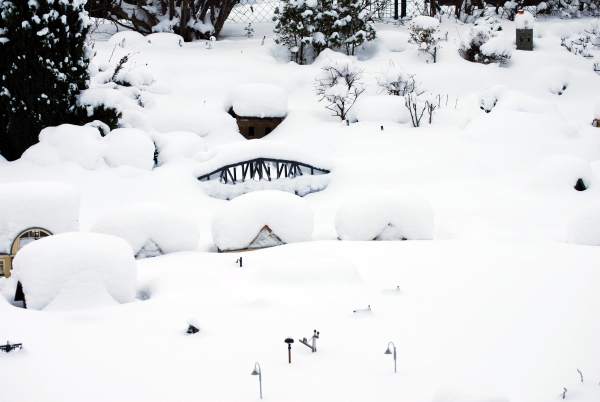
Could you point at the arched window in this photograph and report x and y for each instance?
(26, 237)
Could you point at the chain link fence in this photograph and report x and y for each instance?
(257, 11)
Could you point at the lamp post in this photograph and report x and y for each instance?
(289, 342)
(257, 371)
(388, 351)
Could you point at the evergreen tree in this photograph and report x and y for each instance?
(354, 25)
(43, 67)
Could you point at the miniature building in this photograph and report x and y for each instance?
(258, 109)
(524, 39)
(22, 239)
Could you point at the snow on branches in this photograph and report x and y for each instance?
(339, 85)
(424, 31)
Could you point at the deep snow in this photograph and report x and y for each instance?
(499, 307)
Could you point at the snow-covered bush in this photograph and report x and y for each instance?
(179, 144)
(398, 82)
(339, 86)
(129, 147)
(296, 28)
(584, 228)
(76, 270)
(241, 223)
(483, 46)
(258, 100)
(43, 44)
(424, 32)
(354, 24)
(150, 230)
(49, 205)
(583, 43)
(385, 217)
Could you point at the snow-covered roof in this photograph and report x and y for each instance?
(76, 270)
(259, 100)
(147, 226)
(48, 205)
(385, 217)
(238, 223)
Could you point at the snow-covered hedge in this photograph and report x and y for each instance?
(129, 147)
(424, 32)
(240, 221)
(150, 230)
(177, 145)
(23, 205)
(76, 270)
(385, 218)
(584, 228)
(482, 45)
(259, 100)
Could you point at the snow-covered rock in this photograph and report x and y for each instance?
(47, 205)
(129, 147)
(180, 144)
(150, 230)
(524, 20)
(259, 100)
(584, 227)
(385, 217)
(380, 108)
(82, 145)
(76, 270)
(262, 218)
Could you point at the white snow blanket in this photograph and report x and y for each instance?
(237, 224)
(425, 22)
(380, 109)
(179, 145)
(150, 229)
(128, 39)
(48, 205)
(561, 172)
(385, 217)
(80, 269)
(129, 147)
(584, 227)
(259, 100)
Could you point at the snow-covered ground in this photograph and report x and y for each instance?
(498, 307)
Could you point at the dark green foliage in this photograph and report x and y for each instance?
(43, 67)
(86, 114)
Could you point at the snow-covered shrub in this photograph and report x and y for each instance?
(243, 222)
(258, 100)
(177, 145)
(52, 206)
(380, 108)
(556, 79)
(150, 230)
(385, 217)
(43, 43)
(353, 25)
(339, 86)
(398, 82)
(296, 29)
(76, 270)
(583, 43)
(129, 147)
(483, 46)
(584, 227)
(424, 32)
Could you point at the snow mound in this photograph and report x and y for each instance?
(165, 39)
(380, 108)
(150, 230)
(393, 41)
(584, 228)
(126, 39)
(180, 145)
(129, 147)
(524, 20)
(259, 100)
(68, 143)
(385, 217)
(76, 269)
(424, 22)
(561, 173)
(241, 221)
(46, 205)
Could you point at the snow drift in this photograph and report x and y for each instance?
(150, 230)
(241, 220)
(259, 100)
(584, 228)
(385, 217)
(76, 270)
(129, 147)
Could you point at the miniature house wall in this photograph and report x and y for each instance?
(524, 30)
(258, 109)
(25, 237)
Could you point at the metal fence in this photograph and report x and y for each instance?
(257, 11)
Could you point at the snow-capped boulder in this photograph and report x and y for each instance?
(180, 145)
(82, 145)
(584, 228)
(259, 100)
(150, 230)
(562, 173)
(47, 205)
(129, 147)
(380, 109)
(385, 217)
(262, 219)
(76, 270)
